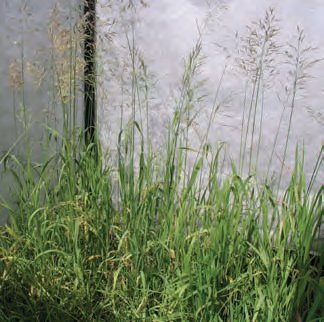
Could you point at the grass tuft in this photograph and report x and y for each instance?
(158, 236)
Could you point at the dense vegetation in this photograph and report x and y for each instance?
(150, 236)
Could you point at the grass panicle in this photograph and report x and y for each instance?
(158, 236)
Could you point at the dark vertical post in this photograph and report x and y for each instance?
(90, 71)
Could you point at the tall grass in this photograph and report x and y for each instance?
(177, 243)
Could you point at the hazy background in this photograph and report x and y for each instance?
(25, 46)
(165, 31)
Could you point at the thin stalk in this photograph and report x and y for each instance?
(260, 132)
(241, 158)
(292, 107)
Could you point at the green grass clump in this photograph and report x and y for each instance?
(159, 251)
(157, 236)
